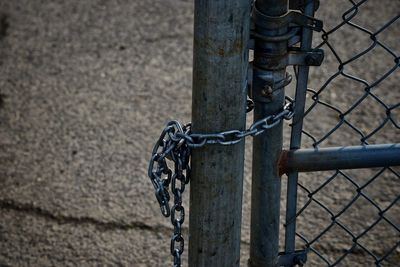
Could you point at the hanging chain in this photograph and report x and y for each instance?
(175, 144)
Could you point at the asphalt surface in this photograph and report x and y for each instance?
(86, 87)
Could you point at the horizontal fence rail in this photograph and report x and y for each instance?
(332, 158)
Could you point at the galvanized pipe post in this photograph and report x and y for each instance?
(221, 33)
(268, 95)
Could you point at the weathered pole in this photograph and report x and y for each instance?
(269, 79)
(221, 33)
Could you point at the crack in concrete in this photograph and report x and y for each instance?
(4, 25)
(29, 208)
(163, 37)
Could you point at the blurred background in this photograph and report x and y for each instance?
(87, 86)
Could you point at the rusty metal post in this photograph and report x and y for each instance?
(220, 61)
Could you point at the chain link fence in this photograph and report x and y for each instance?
(351, 217)
(342, 217)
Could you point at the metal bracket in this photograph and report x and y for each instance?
(291, 18)
(299, 257)
(269, 89)
(293, 57)
(305, 58)
(300, 4)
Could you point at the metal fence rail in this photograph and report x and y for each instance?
(363, 226)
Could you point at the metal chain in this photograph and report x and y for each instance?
(175, 144)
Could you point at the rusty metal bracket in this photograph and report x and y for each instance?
(293, 57)
(305, 58)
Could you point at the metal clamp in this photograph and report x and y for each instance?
(291, 18)
(300, 4)
(293, 57)
(305, 58)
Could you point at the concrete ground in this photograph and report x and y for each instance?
(86, 87)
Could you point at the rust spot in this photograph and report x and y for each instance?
(282, 163)
(218, 47)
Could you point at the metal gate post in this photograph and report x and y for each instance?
(295, 140)
(220, 61)
(268, 94)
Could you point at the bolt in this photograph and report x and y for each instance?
(314, 59)
(310, 60)
(300, 260)
(267, 91)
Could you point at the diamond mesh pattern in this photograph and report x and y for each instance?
(352, 217)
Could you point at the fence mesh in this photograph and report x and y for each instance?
(352, 217)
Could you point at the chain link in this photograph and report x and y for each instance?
(174, 146)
